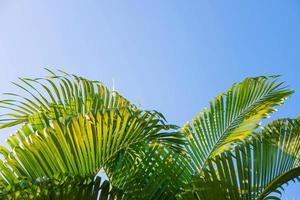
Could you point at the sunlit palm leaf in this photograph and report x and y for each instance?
(82, 146)
(56, 96)
(232, 117)
(254, 168)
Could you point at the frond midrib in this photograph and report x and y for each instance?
(228, 128)
(283, 178)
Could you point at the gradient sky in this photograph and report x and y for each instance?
(172, 56)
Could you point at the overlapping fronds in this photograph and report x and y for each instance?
(61, 187)
(72, 127)
(159, 174)
(81, 146)
(254, 168)
(232, 117)
(78, 129)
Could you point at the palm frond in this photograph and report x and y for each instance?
(254, 168)
(58, 95)
(232, 117)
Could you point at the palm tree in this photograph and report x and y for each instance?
(70, 128)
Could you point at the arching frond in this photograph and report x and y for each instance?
(232, 117)
(82, 145)
(58, 95)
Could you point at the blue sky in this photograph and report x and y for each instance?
(172, 56)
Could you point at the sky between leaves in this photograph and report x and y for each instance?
(172, 56)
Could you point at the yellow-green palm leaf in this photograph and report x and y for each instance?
(58, 95)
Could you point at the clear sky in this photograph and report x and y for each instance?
(173, 56)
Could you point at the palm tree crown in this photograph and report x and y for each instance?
(69, 128)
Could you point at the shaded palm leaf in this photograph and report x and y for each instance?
(159, 174)
(61, 187)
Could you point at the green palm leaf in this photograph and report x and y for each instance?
(254, 168)
(60, 188)
(57, 96)
(232, 117)
(158, 174)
